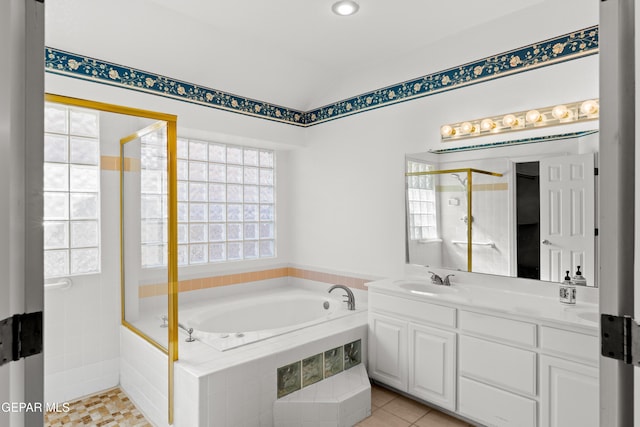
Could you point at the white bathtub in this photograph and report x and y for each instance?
(232, 322)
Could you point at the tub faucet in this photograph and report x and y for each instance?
(437, 280)
(351, 301)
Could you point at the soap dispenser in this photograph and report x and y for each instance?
(567, 290)
(579, 279)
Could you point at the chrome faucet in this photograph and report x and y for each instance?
(437, 280)
(351, 301)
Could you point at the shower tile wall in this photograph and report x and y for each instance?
(82, 322)
(491, 208)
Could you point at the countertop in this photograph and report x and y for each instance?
(520, 303)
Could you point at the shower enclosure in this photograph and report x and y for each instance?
(440, 206)
(141, 146)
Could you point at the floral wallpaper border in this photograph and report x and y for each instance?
(532, 140)
(559, 49)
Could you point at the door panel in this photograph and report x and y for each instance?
(567, 220)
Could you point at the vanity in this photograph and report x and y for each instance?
(489, 352)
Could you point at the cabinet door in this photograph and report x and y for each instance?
(388, 351)
(568, 394)
(432, 363)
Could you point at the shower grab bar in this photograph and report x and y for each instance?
(464, 242)
(61, 284)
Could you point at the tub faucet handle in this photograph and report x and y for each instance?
(164, 321)
(190, 338)
(351, 301)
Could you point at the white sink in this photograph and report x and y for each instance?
(426, 288)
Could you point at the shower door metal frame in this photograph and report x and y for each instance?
(172, 291)
(469, 172)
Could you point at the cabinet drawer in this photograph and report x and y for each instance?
(419, 310)
(495, 407)
(498, 364)
(514, 331)
(578, 346)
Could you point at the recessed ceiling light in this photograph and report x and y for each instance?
(345, 7)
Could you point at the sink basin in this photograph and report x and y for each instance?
(426, 288)
(589, 315)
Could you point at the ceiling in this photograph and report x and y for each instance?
(297, 53)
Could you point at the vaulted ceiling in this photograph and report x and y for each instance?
(297, 53)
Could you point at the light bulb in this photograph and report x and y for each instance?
(560, 112)
(533, 116)
(345, 8)
(467, 127)
(487, 124)
(447, 130)
(589, 107)
(510, 120)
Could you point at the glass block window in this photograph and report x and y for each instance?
(421, 200)
(71, 191)
(226, 202)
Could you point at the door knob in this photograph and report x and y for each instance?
(546, 242)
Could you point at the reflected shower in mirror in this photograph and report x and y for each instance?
(527, 211)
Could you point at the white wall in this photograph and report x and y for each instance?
(347, 183)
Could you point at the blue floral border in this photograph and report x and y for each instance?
(532, 140)
(95, 70)
(559, 49)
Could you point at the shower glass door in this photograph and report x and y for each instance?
(144, 233)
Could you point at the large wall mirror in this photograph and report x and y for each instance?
(523, 208)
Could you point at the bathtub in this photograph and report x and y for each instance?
(232, 322)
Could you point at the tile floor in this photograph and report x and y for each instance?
(109, 408)
(113, 408)
(389, 409)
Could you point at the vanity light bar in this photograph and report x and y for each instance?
(536, 118)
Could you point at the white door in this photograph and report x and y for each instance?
(567, 217)
(432, 361)
(21, 148)
(388, 351)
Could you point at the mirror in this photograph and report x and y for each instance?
(522, 208)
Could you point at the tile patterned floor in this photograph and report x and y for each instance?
(113, 408)
(109, 408)
(389, 409)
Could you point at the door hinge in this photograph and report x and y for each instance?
(20, 336)
(596, 231)
(596, 172)
(620, 337)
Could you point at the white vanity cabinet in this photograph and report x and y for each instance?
(496, 368)
(568, 379)
(409, 353)
(432, 365)
(388, 354)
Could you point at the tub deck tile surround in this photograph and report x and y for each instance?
(106, 409)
